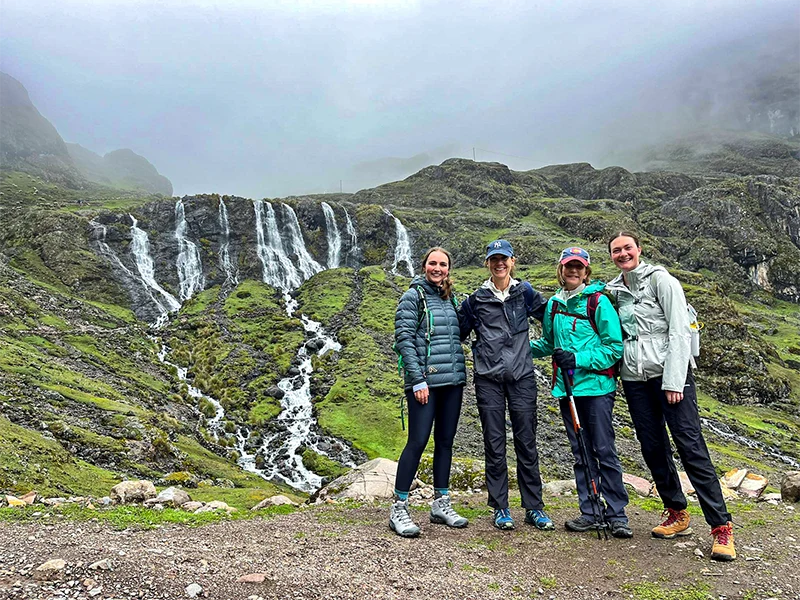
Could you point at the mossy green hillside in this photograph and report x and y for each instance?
(326, 294)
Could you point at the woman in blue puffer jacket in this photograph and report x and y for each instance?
(427, 340)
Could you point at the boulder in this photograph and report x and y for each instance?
(54, 501)
(752, 485)
(790, 487)
(686, 485)
(29, 498)
(215, 505)
(274, 501)
(370, 480)
(133, 491)
(191, 506)
(172, 496)
(14, 501)
(52, 570)
(733, 478)
(641, 486)
(560, 487)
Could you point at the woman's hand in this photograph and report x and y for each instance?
(673, 397)
(422, 395)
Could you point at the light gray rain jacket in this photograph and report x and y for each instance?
(655, 324)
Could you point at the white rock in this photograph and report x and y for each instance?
(193, 590)
(698, 552)
(103, 565)
(373, 479)
(278, 500)
(51, 570)
(133, 491)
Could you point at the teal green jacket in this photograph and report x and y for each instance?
(593, 351)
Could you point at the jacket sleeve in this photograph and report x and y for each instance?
(670, 296)
(544, 345)
(538, 305)
(609, 349)
(406, 319)
(466, 318)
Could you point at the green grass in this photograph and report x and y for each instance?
(379, 300)
(325, 294)
(30, 461)
(652, 591)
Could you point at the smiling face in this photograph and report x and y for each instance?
(500, 267)
(437, 267)
(573, 274)
(625, 253)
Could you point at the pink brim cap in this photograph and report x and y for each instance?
(580, 259)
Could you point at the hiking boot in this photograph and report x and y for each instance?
(442, 512)
(400, 520)
(723, 542)
(502, 519)
(621, 529)
(582, 523)
(539, 519)
(676, 523)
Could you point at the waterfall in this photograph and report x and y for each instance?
(727, 433)
(225, 262)
(190, 269)
(140, 248)
(307, 265)
(106, 251)
(354, 251)
(332, 233)
(402, 250)
(277, 268)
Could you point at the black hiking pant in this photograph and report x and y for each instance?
(491, 397)
(444, 407)
(594, 414)
(651, 414)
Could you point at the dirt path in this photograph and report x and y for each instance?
(336, 552)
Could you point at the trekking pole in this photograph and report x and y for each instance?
(598, 509)
(402, 412)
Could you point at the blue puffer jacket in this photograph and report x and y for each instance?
(441, 362)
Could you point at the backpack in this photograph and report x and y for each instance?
(424, 315)
(592, 300)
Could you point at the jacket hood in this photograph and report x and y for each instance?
(643, 270)
(593, 286)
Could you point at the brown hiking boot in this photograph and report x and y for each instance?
(723, 542)
(676, 523)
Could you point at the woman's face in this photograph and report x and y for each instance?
(573, 273)
(437, 266)
(625, 253)
(500, 265)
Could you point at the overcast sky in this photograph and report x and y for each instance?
(268, 98)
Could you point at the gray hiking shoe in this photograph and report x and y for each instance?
(442, 512)
(400, 520)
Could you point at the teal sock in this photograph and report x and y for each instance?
(439, 492)
(401, 495)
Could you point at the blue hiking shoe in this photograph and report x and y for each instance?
(539, 519)
(502, 519)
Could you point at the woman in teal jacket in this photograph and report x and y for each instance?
(582, 331)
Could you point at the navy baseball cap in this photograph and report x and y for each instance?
(499, 247)
(574, 253)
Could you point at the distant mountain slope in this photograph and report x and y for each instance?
(31, 144)
(28, 141)
(120, 168)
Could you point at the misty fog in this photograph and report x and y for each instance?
(274, 98)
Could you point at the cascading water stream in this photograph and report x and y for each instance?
(333, 237)
(354, 251)
(105, 250)
(727, 433)
(225, 261)
(190, 269)
(140, 248)
(277, 268)
(297, 246)
(402, 249)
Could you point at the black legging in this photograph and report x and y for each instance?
(444, 406)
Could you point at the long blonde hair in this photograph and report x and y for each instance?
(447, 283)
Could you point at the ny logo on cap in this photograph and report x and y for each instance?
(497, 244)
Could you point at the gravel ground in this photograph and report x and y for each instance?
(338, 552)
